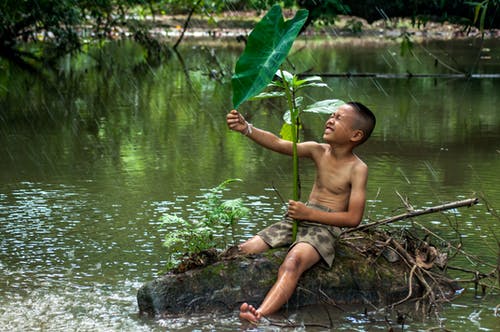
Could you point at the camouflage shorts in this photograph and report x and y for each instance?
(321, 237)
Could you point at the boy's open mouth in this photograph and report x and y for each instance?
(328, 129)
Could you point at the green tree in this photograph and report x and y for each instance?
(457, 11)
(35, 32)
(324, 11)
(50, 21)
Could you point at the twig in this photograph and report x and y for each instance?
(406, 202)
(410, 288)
(285, 204)
(410, 261)
(432, 276)
(371, 304)
(186, 23)
(415, 213)
(330, 320)
(329, 300)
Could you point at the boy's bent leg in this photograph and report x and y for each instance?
(299, 259)
(254, 245)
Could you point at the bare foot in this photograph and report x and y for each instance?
(249, 313)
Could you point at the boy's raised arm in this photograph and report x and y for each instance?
(237, 122)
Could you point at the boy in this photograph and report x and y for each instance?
(337, 199)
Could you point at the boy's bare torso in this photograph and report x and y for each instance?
(332, 186)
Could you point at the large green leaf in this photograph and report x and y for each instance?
(267, 47)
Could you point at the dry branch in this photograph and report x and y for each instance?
(404, 75)
(418, 268)
(415, 213)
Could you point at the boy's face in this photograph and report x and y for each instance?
(339, 127)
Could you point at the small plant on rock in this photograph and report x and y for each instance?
(208, 229)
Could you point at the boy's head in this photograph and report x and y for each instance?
(365, 120)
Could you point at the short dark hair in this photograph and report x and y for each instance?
(367, 119)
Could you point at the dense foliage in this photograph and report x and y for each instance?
(460, 11)
(25, 21)
(64, 25)
(57, 23)
(57, 27)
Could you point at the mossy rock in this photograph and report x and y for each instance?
(360, 274)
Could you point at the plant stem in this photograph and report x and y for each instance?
(294, 115)
(296, 194)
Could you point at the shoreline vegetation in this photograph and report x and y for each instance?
(172, 30)
(237, 24)
(38, 49)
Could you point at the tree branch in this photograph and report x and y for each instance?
(415, 213)
(186, 23)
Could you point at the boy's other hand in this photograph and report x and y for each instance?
(236, 121)
(297, 210)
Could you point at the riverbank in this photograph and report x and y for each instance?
(234, 24)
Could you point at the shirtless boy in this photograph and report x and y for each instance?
(337, 199)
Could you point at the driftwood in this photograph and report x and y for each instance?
(414, 213)
(370, 267)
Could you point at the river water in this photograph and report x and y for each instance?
(94, 153)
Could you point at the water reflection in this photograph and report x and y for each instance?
(93, 156)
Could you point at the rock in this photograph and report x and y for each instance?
(360, 274)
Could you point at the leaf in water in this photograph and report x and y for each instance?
(267, 47)
(328, 106)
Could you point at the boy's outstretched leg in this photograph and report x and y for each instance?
(299, 259)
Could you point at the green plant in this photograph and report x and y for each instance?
(406, 45)
(267, 48)
(288, 85)
(205, 230)
(480, 10)
(324, 12)
(354, 25)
